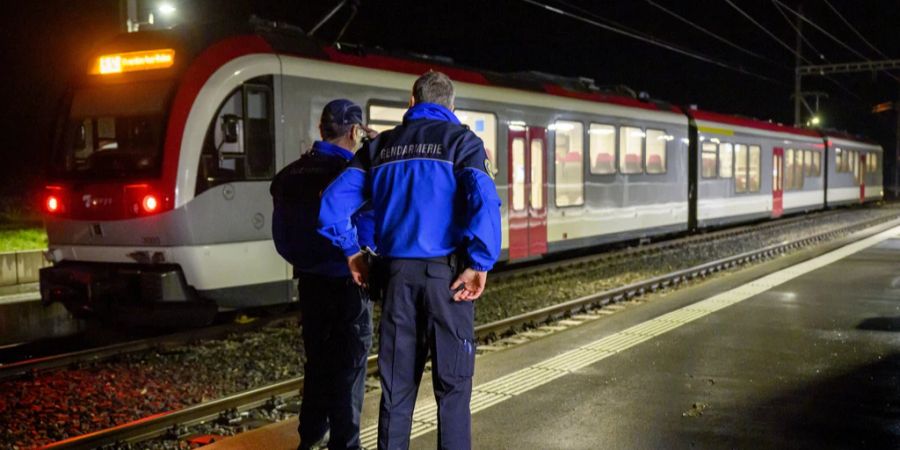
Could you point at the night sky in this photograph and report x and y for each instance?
(46, 42)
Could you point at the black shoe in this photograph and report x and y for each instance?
(320, 444)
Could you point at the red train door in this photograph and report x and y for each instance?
(777, 182)
(527, 192)
(861, 177)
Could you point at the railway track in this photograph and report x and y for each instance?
(162, 424)
(642, 249)
(26, 367)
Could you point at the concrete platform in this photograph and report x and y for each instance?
(24, 319)
(794, 353)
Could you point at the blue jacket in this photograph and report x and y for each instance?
(429, 185)
(296, 194)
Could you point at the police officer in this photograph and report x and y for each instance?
(429, 182)
(337, 314)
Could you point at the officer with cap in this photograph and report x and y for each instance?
(337, 313)
(438, 230)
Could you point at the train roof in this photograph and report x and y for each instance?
(289, 40)
(283, 38)
(754, 124)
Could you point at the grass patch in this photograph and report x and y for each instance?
(12, 240)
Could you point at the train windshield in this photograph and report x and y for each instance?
(114, 132)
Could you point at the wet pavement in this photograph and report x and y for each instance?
(24, 319)
(810, 363)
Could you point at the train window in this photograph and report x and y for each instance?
(655, 158)
(631, 142)
(569, 162)
(258, 134)
(726, 160)
(484, 125)
(753, 172)
(708, 158)
(239, 144)
(816, 164)
(603, 149)
(789, 169)
(872, 162)
(852, 158)
(808, 168)
(537, 173)
(740, 168)
(518, 174)
(798, 169)
(383, 118)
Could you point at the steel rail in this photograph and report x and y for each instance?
(159, 424)
(29, 366)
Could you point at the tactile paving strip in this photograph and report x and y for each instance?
(523, 380)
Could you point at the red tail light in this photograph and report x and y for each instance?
(144, 198)
(150, 203)
(53, 202)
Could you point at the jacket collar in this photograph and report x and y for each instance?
(327, 148)
(430, 111)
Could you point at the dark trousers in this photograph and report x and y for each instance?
(419, 318)
(337, 336)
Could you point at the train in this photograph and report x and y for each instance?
(157, 200)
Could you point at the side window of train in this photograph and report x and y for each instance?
(793, 169)
(726, 160)
(484, 125)
(872, 162)
(746, 168)
(741, 167)
(816, 164)
(808, 163)
(383, 117)
(569, 162)
(709, 156)
(239, 143)
(631, 143)
(602, 149)
(655, 157)
(754, 168)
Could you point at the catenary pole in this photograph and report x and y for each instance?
(798, 94)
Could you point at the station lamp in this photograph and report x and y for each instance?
(166, 9)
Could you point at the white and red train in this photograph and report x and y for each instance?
(158, 193)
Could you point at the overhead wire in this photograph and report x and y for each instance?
(831, 36)
(797, 30)
(854, 29)
(788, 47)
(766, 30)
(714, 35)
(650, 40)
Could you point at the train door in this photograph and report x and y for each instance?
(777, 182)
(861, 177)
(527, 192)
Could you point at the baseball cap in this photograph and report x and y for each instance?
(342, 112)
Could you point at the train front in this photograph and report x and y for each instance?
(109, 203)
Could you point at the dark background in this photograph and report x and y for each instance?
(47, 42)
